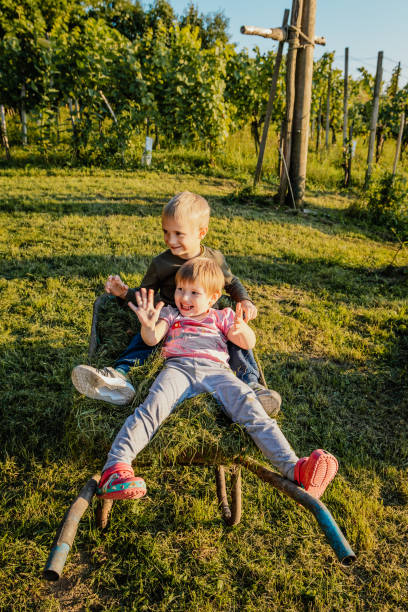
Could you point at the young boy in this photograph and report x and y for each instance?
(195, 348)
(185, 220)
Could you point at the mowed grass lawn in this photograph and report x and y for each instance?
(332, 338)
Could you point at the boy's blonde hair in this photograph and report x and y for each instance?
(206, 272)
(187, 206)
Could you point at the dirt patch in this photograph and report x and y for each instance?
(74, 590)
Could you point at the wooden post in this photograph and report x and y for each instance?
(398, 147)
(350, 159)
(303, 81)
(72, 116)
(319, 125)
(23, 116)
(345, 111)
(345, 95)
(373, 120)
(308, 39)
(348, 148)
(295, 21)
(269, 107)
(4, 137)
(328, 109)
(279, 167)
(57, 122)
(108, 106)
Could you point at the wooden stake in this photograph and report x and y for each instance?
(269, 107)
(328, 109)
(345, 111)
(348, 157)
(72, 116)
(398, 147)
(319, 125)
(108, 106)
(23, 117)
(4, 137)
(301, 117)
(279, 167)
(57, 122)
(295, 21)
(374, 118)
(345, 94)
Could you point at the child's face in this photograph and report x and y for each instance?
(183, 237)
(192, 300)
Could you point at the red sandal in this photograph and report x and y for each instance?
(315, 473)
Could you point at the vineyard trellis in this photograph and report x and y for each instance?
(180, 80)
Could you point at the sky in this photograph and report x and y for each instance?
(365, 26)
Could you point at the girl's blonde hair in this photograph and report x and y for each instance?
(206, 272)
(187, 206)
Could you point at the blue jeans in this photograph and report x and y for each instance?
(242, 362)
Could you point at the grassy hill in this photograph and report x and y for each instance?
(332, 338)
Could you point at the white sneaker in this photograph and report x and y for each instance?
(270, 399)
(107, 384)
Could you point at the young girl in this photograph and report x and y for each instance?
(195, 350)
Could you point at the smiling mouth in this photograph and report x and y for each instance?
(185, 307)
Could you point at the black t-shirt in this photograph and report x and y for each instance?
(161, 277)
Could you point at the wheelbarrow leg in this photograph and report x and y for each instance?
(231, 516)
(102, 512)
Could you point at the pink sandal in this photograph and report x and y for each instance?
(119, 482)
(315, 473)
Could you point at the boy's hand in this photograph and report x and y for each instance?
(240, 333)
(116, 286)
(146, 311)
(249, 310)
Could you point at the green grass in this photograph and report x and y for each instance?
(332, 337)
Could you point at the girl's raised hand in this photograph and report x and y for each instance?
(146, 311)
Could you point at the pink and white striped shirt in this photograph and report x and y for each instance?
(205, 339)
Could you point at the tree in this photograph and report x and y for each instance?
(212, 27)
(125, 16)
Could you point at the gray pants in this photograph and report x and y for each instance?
(182, 378)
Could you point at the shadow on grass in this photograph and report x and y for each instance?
(36, 396)
(97, 205)
(84, 266)
(344, 283)
(327, 220)
(356, 413)
(324, 219)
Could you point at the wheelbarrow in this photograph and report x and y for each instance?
(230, 509)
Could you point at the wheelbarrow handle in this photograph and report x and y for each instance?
(67, 530)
